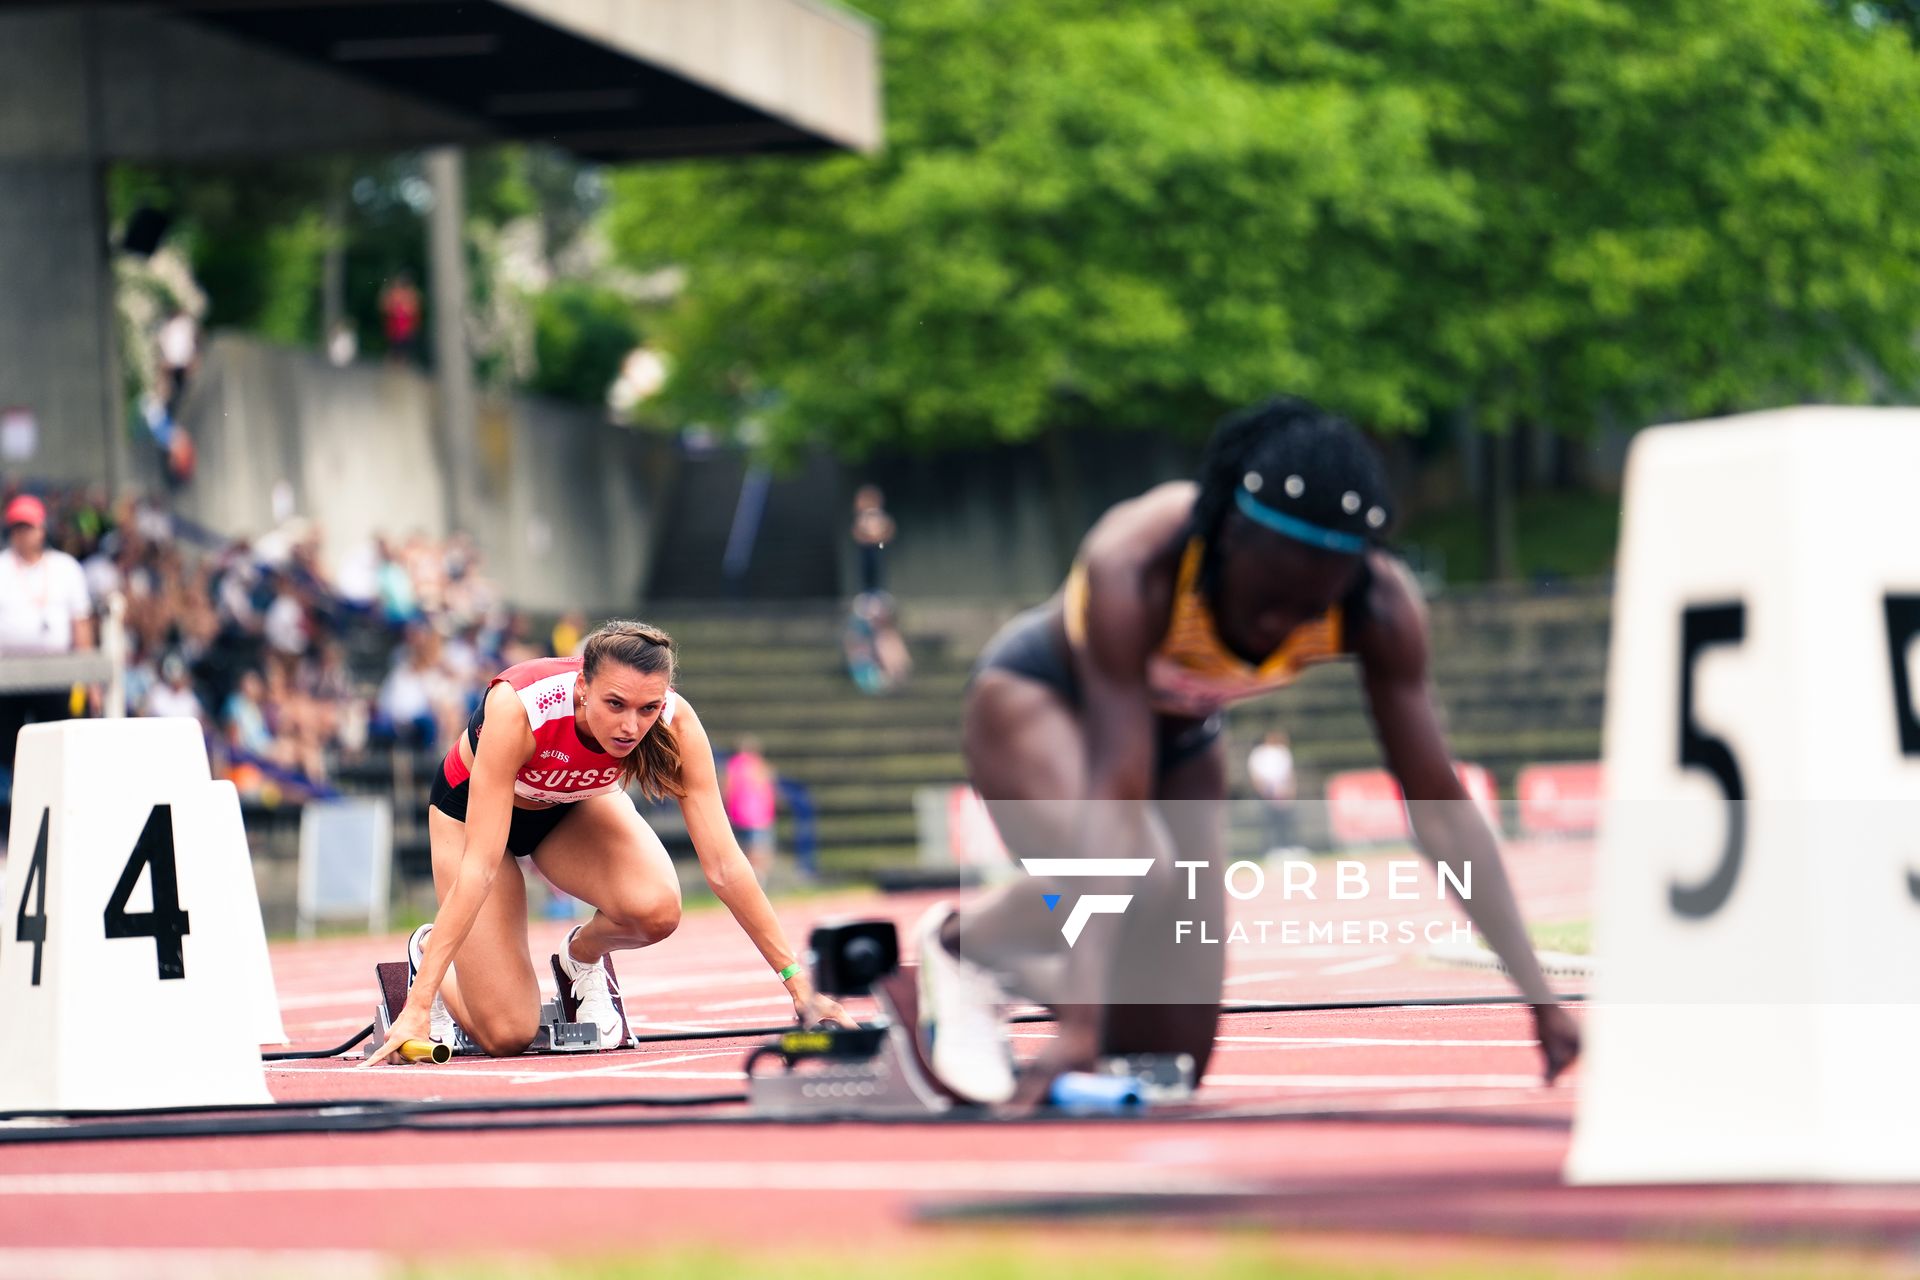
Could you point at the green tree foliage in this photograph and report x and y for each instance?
(1136, 213)
(581, 335)
(257, 237)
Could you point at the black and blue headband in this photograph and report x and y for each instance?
(1300, 530)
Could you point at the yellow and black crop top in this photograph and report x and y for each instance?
(1192, 673)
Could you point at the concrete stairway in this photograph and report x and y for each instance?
(1520, 678)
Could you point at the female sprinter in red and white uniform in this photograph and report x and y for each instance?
(547, 780)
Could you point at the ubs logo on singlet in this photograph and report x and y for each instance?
(554, 753)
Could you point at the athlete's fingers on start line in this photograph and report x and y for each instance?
(821, 1010)
(410, 1025)
(387, 1050)
(1559, 1039)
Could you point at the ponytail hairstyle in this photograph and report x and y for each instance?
(1292, 467)
(654, 762)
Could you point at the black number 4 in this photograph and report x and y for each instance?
(33, 928)
(166, 924)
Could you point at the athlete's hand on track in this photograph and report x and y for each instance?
(1071, 1050)
(412, 1024)
(811, 1009)
(1559, 1038)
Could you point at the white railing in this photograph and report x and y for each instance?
(105, 666)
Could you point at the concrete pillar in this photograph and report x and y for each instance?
(452, 361)
(57, 341)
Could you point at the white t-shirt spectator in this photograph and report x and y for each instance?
(410, 692)
(39, 602)
(103, 575)
(358, 579)
(286, 626)
(173, 700)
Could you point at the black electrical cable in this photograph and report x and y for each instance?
(435, 1106)
(528, 1116)
(295, 1055)
(1231, 1006)
(376, 1115)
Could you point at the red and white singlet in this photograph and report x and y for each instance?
(563, 769)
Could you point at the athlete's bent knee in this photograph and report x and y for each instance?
(504, 1035)
(647, 918)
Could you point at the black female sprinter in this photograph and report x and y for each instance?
(547, 779)
(1182, 601)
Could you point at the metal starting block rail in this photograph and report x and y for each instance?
(872, 1070)
(878, 1070)
(559, 1032)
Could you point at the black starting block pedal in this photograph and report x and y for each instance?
(570, 1009)
(871, 1070)
(558, 1033)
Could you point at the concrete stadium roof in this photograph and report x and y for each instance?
(608, 79)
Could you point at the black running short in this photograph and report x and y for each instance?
(1030, 646)
(524, 833)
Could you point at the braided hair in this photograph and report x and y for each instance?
(1294, 458)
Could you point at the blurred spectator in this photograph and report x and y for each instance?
(876, 652)
(337, 716)
(569, 633)
(357, 583)
(514, 644)
(45, 606)
(750, 800)
(258, 632)
(296, 726)
(400, 309)
(179, 347)
(172, 695)
(245, 717)
(1270, 769)
(873, 529)
(417, 701)
(343, 345)
(398, 602)
(285, 628)
(44, 609)
(426, 565)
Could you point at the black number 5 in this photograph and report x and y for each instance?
(1701, 627)
(1903, 624)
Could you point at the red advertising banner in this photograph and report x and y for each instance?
(1364, 806)
(1559, 799)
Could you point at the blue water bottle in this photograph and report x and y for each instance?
(1086, 1093)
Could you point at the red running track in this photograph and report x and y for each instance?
(1424, 1120)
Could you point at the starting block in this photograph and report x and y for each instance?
(878, 1070)
(875, 1070)
(560, 1031)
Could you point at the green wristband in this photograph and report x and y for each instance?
(789, 971)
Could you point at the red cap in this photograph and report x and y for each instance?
(27, 509)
